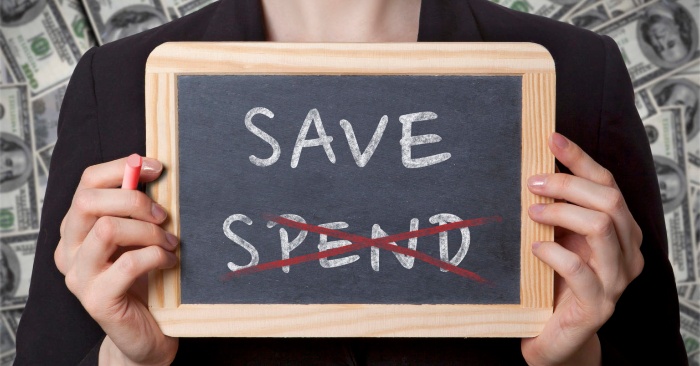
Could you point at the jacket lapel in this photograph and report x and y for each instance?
(236, 20)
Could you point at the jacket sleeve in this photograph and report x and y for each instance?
(55, 329)
(645, 327)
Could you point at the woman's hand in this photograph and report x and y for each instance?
(110, 240)
(596, 255)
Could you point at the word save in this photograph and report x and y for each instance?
(361, 158)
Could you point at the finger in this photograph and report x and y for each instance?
(119, 277)
(593, 196)
(580, 191)
(110, 233)
(596, 227)
(111, 173)
(578, 276)
(580, 163)
(90, 204)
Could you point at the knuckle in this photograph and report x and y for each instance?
(637, 264)
(139, 201)
(156, 255)
(607, 308)
(58, 258)
(606, 178)
(615, 202)
(106, 229)
(563, 181)
(574, 267)
(89, 176)
(127, 264)
(72, 282)
(601, 225)
(84, 200)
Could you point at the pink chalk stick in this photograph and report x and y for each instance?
(132, 170)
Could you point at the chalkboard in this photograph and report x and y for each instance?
(324, 185)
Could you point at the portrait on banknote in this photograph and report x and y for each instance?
(132, 20)
(669, 35)
(683, 93)
(15, 165)
(9, 269)
(14, 13)
(672, 182)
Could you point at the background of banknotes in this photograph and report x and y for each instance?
(42, 40)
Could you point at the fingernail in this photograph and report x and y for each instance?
(560, 141)
(537, 208)
(158, 212)
(536, 180)
(172, 239)
(535, 245)
(151, 166)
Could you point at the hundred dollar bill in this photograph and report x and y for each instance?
(694, 359)
(645, 106)
(11, 328)
(78, 24)
(7, 344)
(5, 72)
(116, 19)
(16, 267)
(691, 294)
(42, 174)
(683, 90)
(37, 43)
(619, 7)
(183, 7)
(7, 359)
(45, 110)
(690, 328)
(590, 17)
(555, 9)
(656, 38)
(667, 139)
(18, 201)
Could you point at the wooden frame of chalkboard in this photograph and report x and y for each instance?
(529, 61)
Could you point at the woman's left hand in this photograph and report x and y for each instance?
(595, 255)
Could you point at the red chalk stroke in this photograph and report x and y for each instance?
(360, 242)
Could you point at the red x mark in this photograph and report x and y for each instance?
(360, 242)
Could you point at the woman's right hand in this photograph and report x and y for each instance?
(110, 240)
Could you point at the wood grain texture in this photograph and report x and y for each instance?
(531, 61)
(349, 320)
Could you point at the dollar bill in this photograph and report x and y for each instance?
(11, 322)
(7, 359)
(16, 267)
(5, 72)
(694, 359)
(619, 7)
(646, 107)
(180, 8)
(7, 343)
(667, 140)
(683, 90)
(116, 19)
(555, 9)
(18, 202)
(590, 17)
(656, 38)
(691, 294)
(74, 16)
(690, 328)
(45, 111)
(37, 44)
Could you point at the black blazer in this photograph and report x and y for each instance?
(103, 119)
